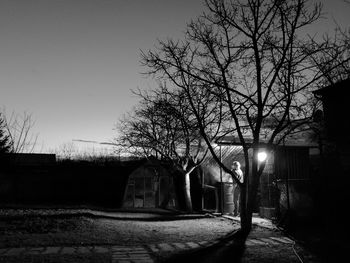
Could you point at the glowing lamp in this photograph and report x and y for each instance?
(262, 156)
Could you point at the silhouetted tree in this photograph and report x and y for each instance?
(333, 57)
(5, 142)
(67, 151)
(254, 56)
(19, 128)
(164, 126)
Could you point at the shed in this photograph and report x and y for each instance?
(149, 185)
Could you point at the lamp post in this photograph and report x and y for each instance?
(262, 157)
(262, 160)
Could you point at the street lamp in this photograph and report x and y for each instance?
(262, 156)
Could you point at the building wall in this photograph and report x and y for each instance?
(334, 170)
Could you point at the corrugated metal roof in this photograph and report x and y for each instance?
(303, 139)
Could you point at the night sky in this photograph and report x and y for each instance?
(72, 63)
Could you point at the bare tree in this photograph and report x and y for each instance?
(254, 56)
(5, 143)
(20, 130)
(164, 126)
(67, 151)
(333, 57)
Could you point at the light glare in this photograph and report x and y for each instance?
(262, 156)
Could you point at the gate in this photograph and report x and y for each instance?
(293, 183)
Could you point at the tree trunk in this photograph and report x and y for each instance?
(187, 192)
(248, 195)
(246, 221)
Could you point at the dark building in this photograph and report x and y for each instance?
(335, 154)
(336, 110)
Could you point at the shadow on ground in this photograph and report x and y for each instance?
(228, 248)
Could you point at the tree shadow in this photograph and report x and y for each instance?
(228, 249)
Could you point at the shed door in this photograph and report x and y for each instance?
(140, 192)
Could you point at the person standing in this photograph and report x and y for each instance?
(236, 169)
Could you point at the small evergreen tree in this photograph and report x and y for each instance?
(5, 141)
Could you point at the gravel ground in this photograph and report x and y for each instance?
(68, 227)
(48, 227)
(78, 258)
